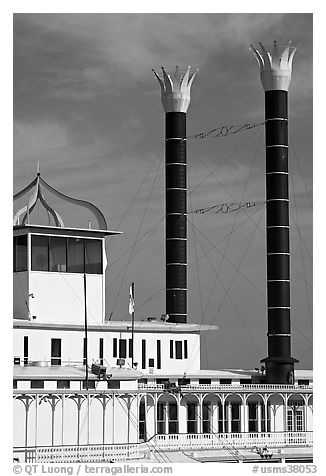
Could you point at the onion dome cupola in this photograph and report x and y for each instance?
(37, 185)
(54, 263)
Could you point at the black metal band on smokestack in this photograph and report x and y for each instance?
(176, 216)
(275, 70)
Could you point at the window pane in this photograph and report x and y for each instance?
(58, 254)
(55, 351)
(75, 255)
(101, 351)
(178, 349)
(158, 349)
(122, 348)
(185, 349)
(93, 256)
(171, 349)
(20, 253)
(37, 383)
(40, 255)
(225, 381)
(143, 354)
(63, 383)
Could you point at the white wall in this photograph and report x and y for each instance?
(59, 297)
(72, 347)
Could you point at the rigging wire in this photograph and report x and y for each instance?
(157, 158)
(261, 230)
(223, 131)
(197, 273)
(300, 171)
(217, 273)
(224, 208)
(137, 236)
(301, 250)
(213, 247)
(296, 225)
(226, 294)
(150, 232)
(212, 172)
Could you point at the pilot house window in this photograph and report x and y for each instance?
(61, 254)
(20, 253)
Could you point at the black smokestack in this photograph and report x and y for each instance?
(275, 76)
(176, 98)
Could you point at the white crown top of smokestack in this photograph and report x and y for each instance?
(275, 66)
(175, 89)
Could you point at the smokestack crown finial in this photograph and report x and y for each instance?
(275, 66)
(175, 89)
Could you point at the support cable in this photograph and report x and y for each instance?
(223, 131)
(157, 158)
(227, 294)
(137, 236)
(301, 251)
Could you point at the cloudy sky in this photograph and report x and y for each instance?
(87, 108)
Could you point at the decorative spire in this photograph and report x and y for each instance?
(175, 89)
(38, 184)
(275, 66)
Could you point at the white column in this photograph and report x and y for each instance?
(224, 416)
(285, 414)
(36, 418)
(182, 418)
(104, 403)
(215, 408)
(200, 415)
(271, 416)
(229, 416)
(62, 417)
(150, 419)
(113, 419)
(244, 417)
(88, 417)
(305, 415)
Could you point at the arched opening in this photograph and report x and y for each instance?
(190, 407)
(210, 413)
(256, 414)
(167, 415)
(146, 418)
(295, 417)
(275, 413)
(233, 405)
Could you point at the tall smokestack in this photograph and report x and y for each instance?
(275, 75)
(175, 94)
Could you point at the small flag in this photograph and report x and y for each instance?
(131, 300)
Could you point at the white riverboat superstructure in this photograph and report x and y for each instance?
(91, 389)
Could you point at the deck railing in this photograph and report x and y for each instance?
(170, 442)
(236, 440)
(231, 387)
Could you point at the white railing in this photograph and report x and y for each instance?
(171, 442)
(234, 387)
(235, 440)
(89, 454)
